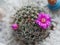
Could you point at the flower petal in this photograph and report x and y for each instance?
(48, 23)
(47, 16)
(44, 26)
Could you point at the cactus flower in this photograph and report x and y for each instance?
(43, 20)
(14, 26)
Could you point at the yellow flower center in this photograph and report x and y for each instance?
(43, 20)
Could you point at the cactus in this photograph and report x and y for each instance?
(29, 32)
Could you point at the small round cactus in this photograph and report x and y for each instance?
(52, 2)
(29, 32)
(54, 5)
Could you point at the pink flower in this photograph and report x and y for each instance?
(43, 20)
(14, 26)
